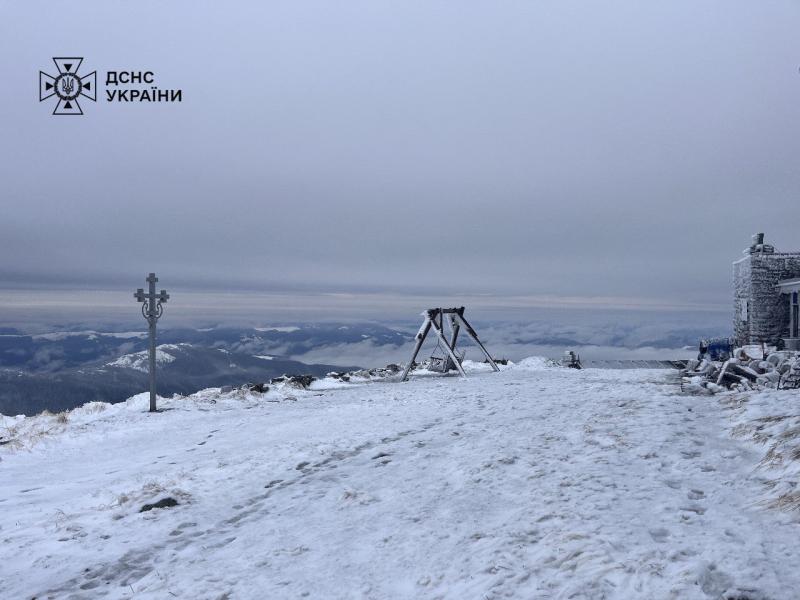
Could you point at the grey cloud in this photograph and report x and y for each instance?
(572, 149)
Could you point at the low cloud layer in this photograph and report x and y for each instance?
(633, 339)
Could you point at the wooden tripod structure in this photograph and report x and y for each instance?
(434, 319)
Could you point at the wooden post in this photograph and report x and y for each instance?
(474, 336)
(420, 337)
(449, 350)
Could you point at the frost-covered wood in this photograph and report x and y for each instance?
(433, 318)
(746, 370)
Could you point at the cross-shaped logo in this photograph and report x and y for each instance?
(68, 86)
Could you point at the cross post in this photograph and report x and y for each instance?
(152, 310)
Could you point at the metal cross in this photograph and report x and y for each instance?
(152, 310)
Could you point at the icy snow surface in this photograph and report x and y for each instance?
(530, 483)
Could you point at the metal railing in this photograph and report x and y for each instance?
(634, 364)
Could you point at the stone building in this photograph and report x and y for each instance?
(766, 287)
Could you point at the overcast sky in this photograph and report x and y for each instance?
(621, 150)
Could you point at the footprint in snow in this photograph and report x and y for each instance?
(179, 529)
(696, 495)
(698, 510)
(659, 534)
(382, 458)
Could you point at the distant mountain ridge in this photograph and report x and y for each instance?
(182, 369)
(62, 369)
(55, 351)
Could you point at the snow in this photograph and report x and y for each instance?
(288, 329)
(264, 357)
(139, 360)
(769, 421)
(58, 336)
(534, 482)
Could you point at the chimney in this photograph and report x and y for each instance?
(758, 246)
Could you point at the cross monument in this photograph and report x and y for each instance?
(152, 310)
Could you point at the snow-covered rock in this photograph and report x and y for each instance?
(138, 361)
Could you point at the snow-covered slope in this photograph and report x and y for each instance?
(530, 483)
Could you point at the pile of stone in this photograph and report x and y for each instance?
(379, 373)
(253, 388)
(749, 368)
(301, 382)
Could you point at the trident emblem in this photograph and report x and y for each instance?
(68, 85)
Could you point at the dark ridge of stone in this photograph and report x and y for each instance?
(260, 388)
(297, 381)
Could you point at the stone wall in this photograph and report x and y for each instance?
(741, 300)
(755, 278)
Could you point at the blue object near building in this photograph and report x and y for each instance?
(716, 349)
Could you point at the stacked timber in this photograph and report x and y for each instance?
(749, 368)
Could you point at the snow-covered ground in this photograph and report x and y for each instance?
(530, 483)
